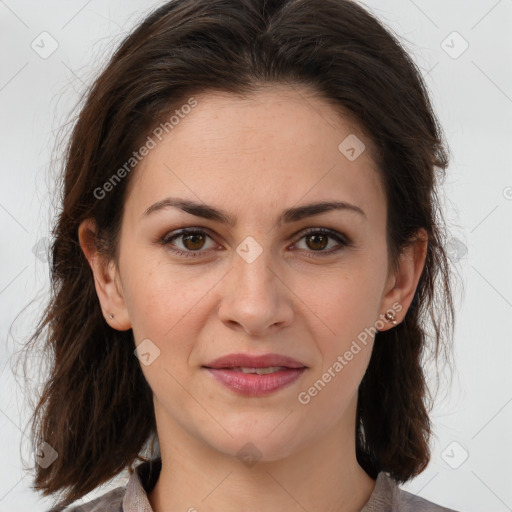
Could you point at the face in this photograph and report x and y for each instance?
(301, 285)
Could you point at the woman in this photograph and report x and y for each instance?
(248, 253)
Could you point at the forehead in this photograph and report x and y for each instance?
(266, 150)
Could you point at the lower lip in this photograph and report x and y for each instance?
(252, 384)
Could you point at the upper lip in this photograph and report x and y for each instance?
(254, 361)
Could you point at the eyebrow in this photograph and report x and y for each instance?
(288, 216)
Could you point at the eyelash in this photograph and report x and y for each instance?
(169, 237)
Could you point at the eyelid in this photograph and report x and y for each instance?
(171, 235)
(341, 238)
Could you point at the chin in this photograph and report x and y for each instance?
(252, 443)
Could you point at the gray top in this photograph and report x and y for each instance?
(386, 496)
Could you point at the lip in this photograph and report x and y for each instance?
(252, 384)
(225, 370)
(254, 361)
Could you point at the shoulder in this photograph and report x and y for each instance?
(111, 501)
(389, 497)
(133, 495)
(410, 502)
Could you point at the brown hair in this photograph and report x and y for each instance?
(96, 408)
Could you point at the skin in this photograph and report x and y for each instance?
(254, 157)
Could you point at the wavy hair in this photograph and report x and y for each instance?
(96, 408)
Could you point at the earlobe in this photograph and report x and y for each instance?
(398, 298)
(106, 278)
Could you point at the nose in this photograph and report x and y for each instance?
(254, 297)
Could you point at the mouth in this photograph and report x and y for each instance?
(255, 375)
(249, 363)
(258, 371)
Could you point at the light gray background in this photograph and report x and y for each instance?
(473, 96)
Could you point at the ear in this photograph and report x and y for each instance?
(401, 285)
(106, 278)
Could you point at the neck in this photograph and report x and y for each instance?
(323, 476)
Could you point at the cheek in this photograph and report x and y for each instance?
(333, 388)
(347, 301)
(348, 306)
(161, 297)
(165, 307)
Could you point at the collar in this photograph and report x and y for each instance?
(141, 482)
(145, 475)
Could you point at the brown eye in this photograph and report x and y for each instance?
(322, 241)
(194, 241)
(188, 242)
(317, 241)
